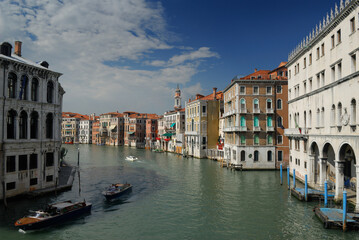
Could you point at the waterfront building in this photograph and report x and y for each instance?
(31, 105)
(323, 94)
(112, 128)
(151, 132)
(160, 143)
(202, 123)
(85, 131)
(70, 131)
(255, 114)
(96, 139)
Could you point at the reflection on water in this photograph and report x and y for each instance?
(173, 198)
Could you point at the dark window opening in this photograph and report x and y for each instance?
(49, 159)
(269, 156)
(243, 156)
(34, 118)
(33, 161)
(11, 120)
(12, 85)
(23, 125)
(10, 186)
(49, 178)
(34, 89)
(33, 181)
(23, 88)
(49, 126)
(256, 156)
(50, 92)
(22, 162)
(10, 164)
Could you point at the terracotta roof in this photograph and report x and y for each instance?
(75, 115)
(113, 114)
(263, 73)
(219, 96)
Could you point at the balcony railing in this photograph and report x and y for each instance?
(270, 110)
(256, 129)
(243, 110)
(270, 129)
(296, 132)
(231, 129)
(229, 113)
(256, 110)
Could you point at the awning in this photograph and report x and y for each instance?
(130, 133)
(112, 127)
(172, 125)
(167, 134)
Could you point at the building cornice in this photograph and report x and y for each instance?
(326, 87)
(254, 81)
(329, 23)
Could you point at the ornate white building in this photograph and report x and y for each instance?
(85, 135)
(30, 116)
(323, 90)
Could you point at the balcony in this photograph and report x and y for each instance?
(270, 110)
(270, 129)
(256, 110)
(256, 129)
(231, 129)
(296, 132)
(243, 110)
(229, 113)
(243, 129)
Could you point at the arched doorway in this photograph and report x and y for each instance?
(346, 155)
(329, 155)
(314, 152)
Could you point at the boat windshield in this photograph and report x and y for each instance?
(39, 215)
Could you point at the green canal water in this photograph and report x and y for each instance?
(173, 198)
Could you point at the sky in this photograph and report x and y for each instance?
(129, 55)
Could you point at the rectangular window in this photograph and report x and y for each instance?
(10, 164)
(203, 140)
(339, 36)
(305, 63)
(280, 156)
(323, 49)
(33, 181)
(279, 139)
(255, 90)
(305, 165)
(279, 89)
(318, 53)
(22, 162)
(256, 139)
(333, 73)
(242, 90)
(333, 41)
(352, 25)
(49, 178)
(339, 71)
(310, 59)
(49, 159)
(305, 87)
(10, 186)
(243, 140)
(269, 90)
(354, 63)
(203, 109)
(318, 80)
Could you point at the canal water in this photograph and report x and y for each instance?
(173, 198)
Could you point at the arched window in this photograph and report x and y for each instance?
(256, 139)
(339, 114)
(243, 139)
(243, 155)
(269, 121)
(50, 92)
(256, 121)
(34, 89)
(332, 116)
(353, 112)
(11, 121)
(279, 104)
(243, 104)
(256, 156)
(256, 104)
(280, 122)
(12, 85)
(269, 103)
(269, 156)
(269, 139)
(23, 125)
(49, 125)
(34, 118)
(23, 87)
(243, 121)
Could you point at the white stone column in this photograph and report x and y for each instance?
(339, 179)
(322, 172)
(311, 169)
(357, 188)
(237, 120)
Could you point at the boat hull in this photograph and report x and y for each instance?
(57, 219)
(118, 194)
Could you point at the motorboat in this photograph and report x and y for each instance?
(116, 190)
(54, 214)
(131, 158)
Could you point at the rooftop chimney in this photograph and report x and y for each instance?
(214, 93)
(18, 48)
(255, 70)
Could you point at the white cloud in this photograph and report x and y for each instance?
(77, 36)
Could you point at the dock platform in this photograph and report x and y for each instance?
(333, 218)
(313, 194)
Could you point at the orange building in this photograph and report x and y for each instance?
(255, 115)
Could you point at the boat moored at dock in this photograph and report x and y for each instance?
(54, 214)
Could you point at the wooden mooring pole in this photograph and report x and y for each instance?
(288, 177)
(325, 193)
(306, 188)
(344, 210)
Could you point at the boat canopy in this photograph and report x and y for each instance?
(130, 133)
(167, 134)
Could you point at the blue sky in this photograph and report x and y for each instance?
(130, 54)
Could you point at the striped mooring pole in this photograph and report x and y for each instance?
(306, 188)
(281, 174)
(325, 193)
(288, 177)
(344, 210)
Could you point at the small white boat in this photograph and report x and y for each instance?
(131, 158)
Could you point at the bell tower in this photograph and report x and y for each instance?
(177, 99)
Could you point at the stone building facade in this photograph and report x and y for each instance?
(323, 95)
(30, 116)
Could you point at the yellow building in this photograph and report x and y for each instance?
(202, 123)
